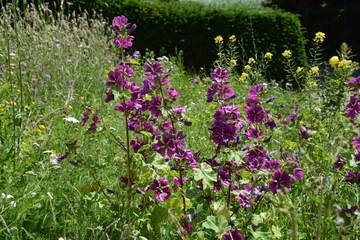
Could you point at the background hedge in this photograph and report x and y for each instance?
(192, 27)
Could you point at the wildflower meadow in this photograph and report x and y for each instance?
(101, 141)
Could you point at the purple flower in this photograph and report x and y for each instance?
(353, 177)
(298, 174)
(356, 142)
(109, 97)
(227, 112)
(153, 69)
(146, 87)
(243, 200)
(254, 114)
(154, 106)
(173, 93)
(62, 157)
(124, 42)
(220, 75)
(354, 81)
(352, 209)
(224, 177)
(178, 182)
(272, 165)
(232, 234)
(339, 163)
(85, 117)
(137, 144)
(253, 133)
(119, 22)
(271, 123)
(161, 189)
(93, 125)
(280, 180)
(270, 99)
(353, 107)
(223, 132)
(255, 90)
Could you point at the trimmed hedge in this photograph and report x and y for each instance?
(192, 27)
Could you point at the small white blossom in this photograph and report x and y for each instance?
(71, 119)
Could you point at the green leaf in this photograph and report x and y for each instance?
(219, 209)
(276, 232)
(211, 224)
(175, 202)
(206, 174)
(217, 224)
(261, 232)
(290, 143)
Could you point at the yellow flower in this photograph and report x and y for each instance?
(319, 37)
(218, 39)
(299, 69)
(247, 67)
(313, 84)
(334, 61)
(232, 38)
(286, 53)
(314, 70)
(23, 143)
(344, 63)
(18, 90)
(251, 61)
(12, 65)
(268, 55)
(243, 77)
(42, 127)
(38, 131)
(233, 62)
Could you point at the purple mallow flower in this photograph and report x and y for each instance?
(93, 125)
(280, 180)
(254, 114)
(119, 22)
(86, 116)
(220, 75)
(161, 189)
(339, 162)
(353, 107)
(232, 234)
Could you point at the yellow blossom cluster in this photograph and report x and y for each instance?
(344, 63)
(287, 53)
(247, 67)
(232, 38)
(319, 37)
(219, 39)
(233, 62)
(314, 70)
(251, 61)
(299, 69)
(268, 55)
(243, 77)
(335, 62)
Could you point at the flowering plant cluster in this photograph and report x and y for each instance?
(153, 156)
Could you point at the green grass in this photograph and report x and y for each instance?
(51, 70)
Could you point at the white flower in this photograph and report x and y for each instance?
(38, 205)
(33, 194)
(13, 203)
(9, 196)
(71, 119)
